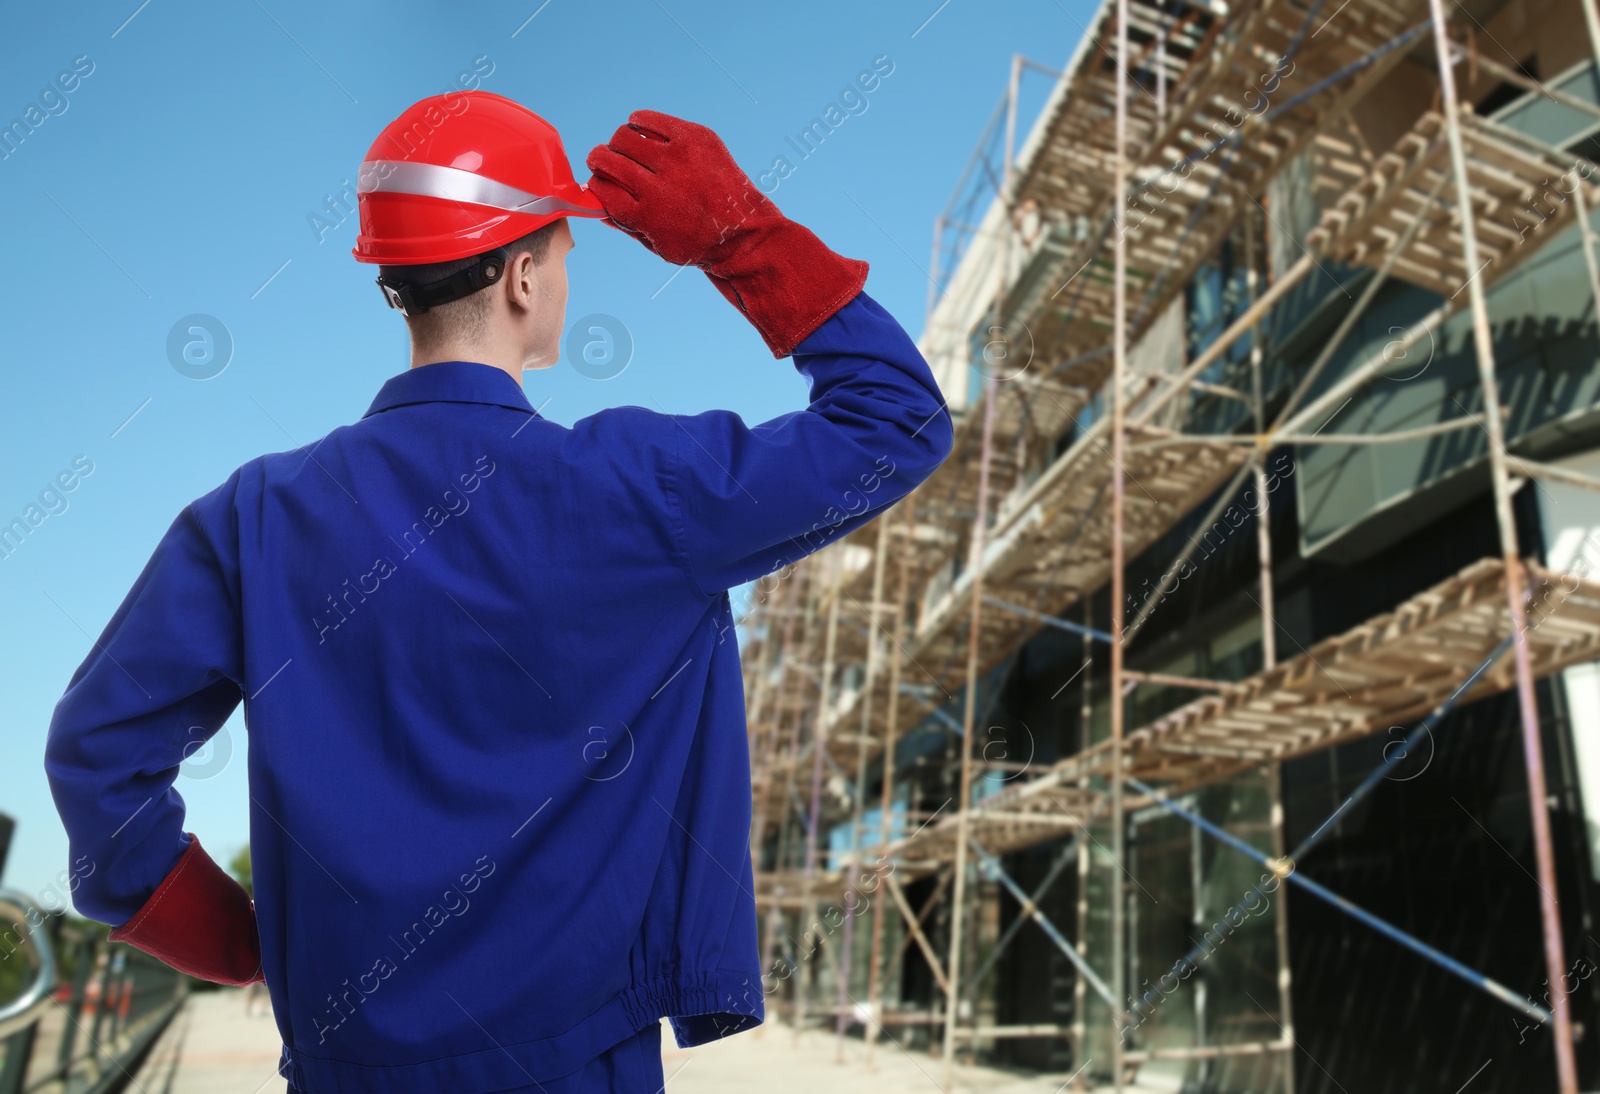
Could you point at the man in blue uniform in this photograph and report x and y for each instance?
(499, 776)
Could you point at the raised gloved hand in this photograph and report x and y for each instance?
(672, 185)
(200, 921)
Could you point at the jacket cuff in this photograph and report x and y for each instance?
(199, 921)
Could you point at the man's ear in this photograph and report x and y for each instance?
(521, 281)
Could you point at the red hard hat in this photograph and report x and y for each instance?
(459, 174)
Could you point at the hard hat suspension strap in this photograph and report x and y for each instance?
(414, 299)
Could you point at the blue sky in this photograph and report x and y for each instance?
(179, 176)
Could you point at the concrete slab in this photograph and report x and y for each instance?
(215, 1047)
(773, 1060)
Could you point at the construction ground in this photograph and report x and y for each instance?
(1222, 715)
(214, 1047)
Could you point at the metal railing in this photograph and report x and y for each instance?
(85, 1011)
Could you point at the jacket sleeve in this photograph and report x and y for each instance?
(161, 679)
(752, 499)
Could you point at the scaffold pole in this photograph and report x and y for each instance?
(1532, 746)
(1119, 366)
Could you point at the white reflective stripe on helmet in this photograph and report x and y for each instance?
(454, 184)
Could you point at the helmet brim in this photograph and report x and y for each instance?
(586, 197)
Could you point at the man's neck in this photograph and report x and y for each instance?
(467, 353)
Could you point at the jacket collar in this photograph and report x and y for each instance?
(452, 382)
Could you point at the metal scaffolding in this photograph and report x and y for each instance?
(1136, 176)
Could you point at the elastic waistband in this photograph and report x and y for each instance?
(703, 1007)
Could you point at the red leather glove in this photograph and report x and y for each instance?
(200, 921)
(672, 185)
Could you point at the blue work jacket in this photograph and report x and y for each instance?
(499, 774)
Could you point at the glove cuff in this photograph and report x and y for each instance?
(200, 921)
(786, 281)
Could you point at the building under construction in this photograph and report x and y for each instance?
(1222, 716)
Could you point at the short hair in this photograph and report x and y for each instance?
(466, 319)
